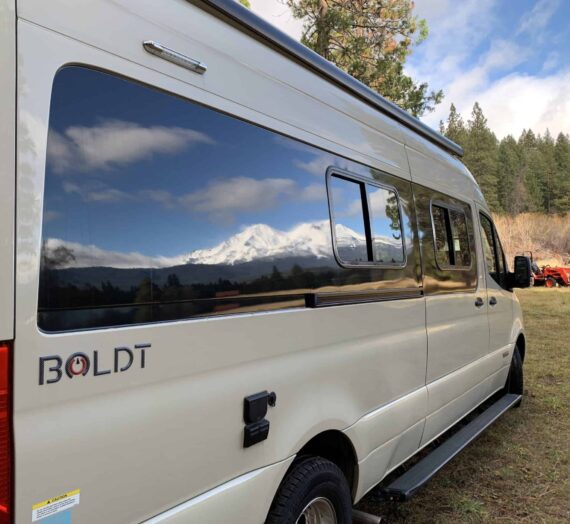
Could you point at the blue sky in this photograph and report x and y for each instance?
(133, 170)
(513, 56)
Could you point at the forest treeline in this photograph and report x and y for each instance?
(528, 174)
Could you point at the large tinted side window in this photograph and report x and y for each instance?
(157, 208)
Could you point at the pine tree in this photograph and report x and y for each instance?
(510, 187)
(561, 186)
(532, 168)
(454, 129)
(481, 155)
(370, 40)
(548, 172)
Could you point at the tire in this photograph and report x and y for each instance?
(551, 282)
(311, 479)
(515, 380)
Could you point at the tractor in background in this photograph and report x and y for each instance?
(549, 276)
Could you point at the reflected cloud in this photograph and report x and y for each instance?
(61, 254)
(221, 200)
(114, 143)
(50, 215)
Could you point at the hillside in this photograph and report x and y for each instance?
(547, 236)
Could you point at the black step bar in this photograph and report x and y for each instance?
(405, 486)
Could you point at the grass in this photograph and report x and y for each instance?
(519, 469)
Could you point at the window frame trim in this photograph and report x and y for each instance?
(367, 216)
(450, 207)
(496, 240)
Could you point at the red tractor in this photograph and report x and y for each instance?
(549, 276)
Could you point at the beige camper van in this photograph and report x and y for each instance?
(236, 285)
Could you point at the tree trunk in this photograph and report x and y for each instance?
(323, 31)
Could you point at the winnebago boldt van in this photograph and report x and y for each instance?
(236, 285)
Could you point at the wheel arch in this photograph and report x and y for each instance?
(335, 446)
(521, 345)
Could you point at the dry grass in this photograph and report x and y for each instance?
(547, 236)
(519, 469)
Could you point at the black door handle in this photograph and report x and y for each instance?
(492, 301)
(479, 302)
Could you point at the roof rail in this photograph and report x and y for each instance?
(244, 19)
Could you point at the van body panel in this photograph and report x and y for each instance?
(431, 167)
(438, 422)
(387, 457)
(7, 164)
(306, 101)
(232, 501)
(181, 417)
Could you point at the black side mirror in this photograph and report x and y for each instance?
(522, 276)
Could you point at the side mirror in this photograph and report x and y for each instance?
(522, 276)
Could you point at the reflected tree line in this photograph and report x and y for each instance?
(165, 285)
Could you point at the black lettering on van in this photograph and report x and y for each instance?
(143, 348)
(96, 371)
(78, 364)
(52, 369)
(130, 355)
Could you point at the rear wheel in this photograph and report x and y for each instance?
(315, 491)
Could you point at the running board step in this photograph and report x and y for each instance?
(413, 479)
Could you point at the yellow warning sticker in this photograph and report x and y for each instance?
(54, 505)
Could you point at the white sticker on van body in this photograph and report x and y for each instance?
(50, 507)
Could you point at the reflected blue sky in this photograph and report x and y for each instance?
(132, 169)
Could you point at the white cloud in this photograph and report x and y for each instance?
(313, 192)
(89, 255)
(537, 18)
(519, 101)
(97, 192)
(222, 199)
(115, 142)
(50, 215)
(451, 60)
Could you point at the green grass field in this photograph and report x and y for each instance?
(519, 469)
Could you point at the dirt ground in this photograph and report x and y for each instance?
(519, 469)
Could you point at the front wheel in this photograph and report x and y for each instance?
(515, 380)
(315, 491)
(551, 282)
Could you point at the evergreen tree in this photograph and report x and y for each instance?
(532, 168)
(481, 155)
(561, 186)
(454, 129)
(510, 187)
(528, 175)
(548, 170)
(370, 40)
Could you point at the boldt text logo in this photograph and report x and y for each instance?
(79, 364)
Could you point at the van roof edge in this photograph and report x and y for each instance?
(245, 19)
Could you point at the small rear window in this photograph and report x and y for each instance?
(452, 249)
(367, 225)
